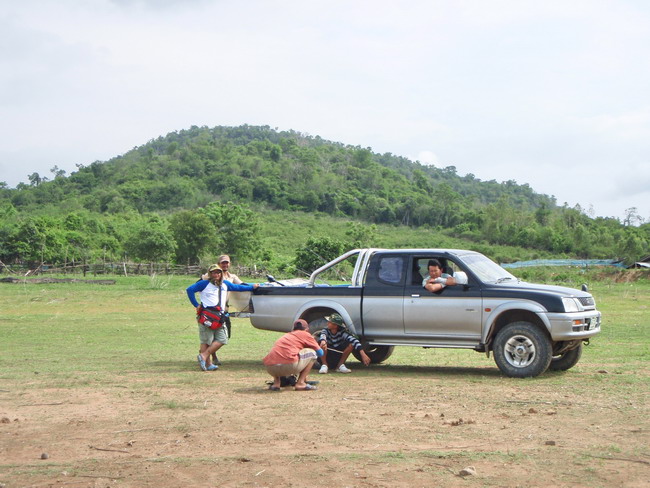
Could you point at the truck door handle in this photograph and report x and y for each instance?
(415, 296)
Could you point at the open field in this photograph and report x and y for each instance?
(99, 387)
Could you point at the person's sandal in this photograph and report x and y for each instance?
(201, 361)
(307, 387)
(275, 388)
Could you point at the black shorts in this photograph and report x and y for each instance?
(333, 359)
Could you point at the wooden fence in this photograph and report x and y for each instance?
(124, 269)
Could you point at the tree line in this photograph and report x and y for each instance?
(175, 197)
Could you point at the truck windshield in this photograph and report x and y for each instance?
(487, 270)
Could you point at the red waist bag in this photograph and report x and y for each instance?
(211, 317)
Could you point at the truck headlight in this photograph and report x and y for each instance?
(571, 305)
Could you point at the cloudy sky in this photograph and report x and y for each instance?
(552, 93)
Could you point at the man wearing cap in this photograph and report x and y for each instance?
(224, 264)
(213, 292)
(293, 353)
(338, 343)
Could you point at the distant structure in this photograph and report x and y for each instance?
(644, 263)
(581, 263)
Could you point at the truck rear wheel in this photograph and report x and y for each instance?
(566, 360)
(522, 350)
(377, 354)
(316, 326)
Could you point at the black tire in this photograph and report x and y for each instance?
(316, 326)
(522, 350)
(377, 354)
(566, 360)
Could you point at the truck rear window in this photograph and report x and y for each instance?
(391, 269)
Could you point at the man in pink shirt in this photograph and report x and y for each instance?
(293, 353)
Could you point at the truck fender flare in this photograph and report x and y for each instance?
(515, 305)
(305, 308)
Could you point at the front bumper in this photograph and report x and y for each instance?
(573, 326)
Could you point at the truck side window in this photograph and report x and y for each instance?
(391, 269)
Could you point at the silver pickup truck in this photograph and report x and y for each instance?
(528, 327)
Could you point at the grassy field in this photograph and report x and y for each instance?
(137, 340)
(72, 331)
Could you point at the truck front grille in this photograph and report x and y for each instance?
(587, 302)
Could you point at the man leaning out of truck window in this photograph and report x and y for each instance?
(437, 280)
(338, 343)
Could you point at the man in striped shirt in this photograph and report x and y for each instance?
(337, 344)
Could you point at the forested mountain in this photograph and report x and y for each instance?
(286, 170)
(196, 172)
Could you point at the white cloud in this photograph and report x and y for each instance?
(427, 158)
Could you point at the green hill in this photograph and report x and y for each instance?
(98, 209)
(286, 170)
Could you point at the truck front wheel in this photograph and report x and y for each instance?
(566, 360)
(377, 354)
(522, 350)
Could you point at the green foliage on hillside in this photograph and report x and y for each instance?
(202, 191)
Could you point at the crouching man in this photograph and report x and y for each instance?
(293, 353)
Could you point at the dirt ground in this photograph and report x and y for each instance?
(445, 427)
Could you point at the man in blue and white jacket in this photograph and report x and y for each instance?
(213, 293)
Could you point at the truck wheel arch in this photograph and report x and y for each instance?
(514, 315)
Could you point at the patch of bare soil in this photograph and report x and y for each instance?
(447, 427)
